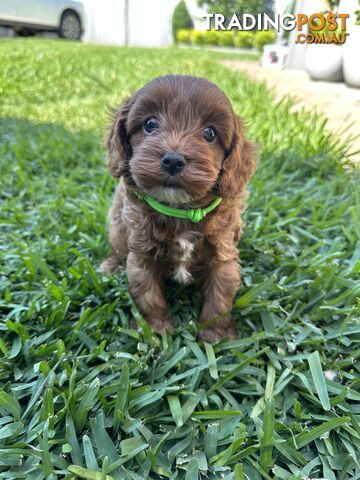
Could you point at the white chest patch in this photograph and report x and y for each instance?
(181, 274)
(186, 248)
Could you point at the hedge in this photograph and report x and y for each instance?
(240, 39)
(181, 18)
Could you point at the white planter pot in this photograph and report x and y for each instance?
(352, 58)
(324, 62)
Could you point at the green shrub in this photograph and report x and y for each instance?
(198, 37)
(211, 37)
(264, 37)
(357, 13)
(183, 35)
(226, 39)
(244, 39)
(181, 18)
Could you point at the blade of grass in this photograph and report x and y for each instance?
(319, 379)
(236, 370)
(212, 361)
(175, 408)
(122, 397)
(192, 472)
(87, 473)
(10, 404)
(253, 292)
(267, 439)
(304, 438)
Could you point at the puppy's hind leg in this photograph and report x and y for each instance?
(111, 264)
(119, 250)
(117, 235)
(119, 247)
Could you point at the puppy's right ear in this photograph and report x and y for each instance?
(117, 143)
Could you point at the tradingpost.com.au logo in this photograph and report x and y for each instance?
(326, 27)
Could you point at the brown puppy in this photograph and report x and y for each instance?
(179, 141)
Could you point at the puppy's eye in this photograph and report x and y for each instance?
(150, 125)
(210, 134)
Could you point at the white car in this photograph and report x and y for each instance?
(26, 17)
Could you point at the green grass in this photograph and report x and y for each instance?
(84, 396)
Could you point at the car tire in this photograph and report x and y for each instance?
(70, 26)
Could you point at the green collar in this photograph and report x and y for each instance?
(193, 214)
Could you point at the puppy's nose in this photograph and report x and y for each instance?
(172, 163)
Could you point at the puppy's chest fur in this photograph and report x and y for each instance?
(184, 248)
(169, 242)
(177, 254)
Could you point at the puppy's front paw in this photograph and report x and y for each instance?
(215, 334)
(110, 265)
(158, 326)
(161, 326)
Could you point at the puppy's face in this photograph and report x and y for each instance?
(174, 138)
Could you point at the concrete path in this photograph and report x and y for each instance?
(339, 103)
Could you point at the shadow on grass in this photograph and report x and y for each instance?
(48, 149)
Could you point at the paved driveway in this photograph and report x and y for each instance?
(339, 103)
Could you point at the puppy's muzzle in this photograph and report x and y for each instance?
(172, 163)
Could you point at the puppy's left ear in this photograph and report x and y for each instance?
(117, 142)
(239, 163)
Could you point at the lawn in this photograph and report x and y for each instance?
(84, 396)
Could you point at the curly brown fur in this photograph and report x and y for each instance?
(157, 247)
